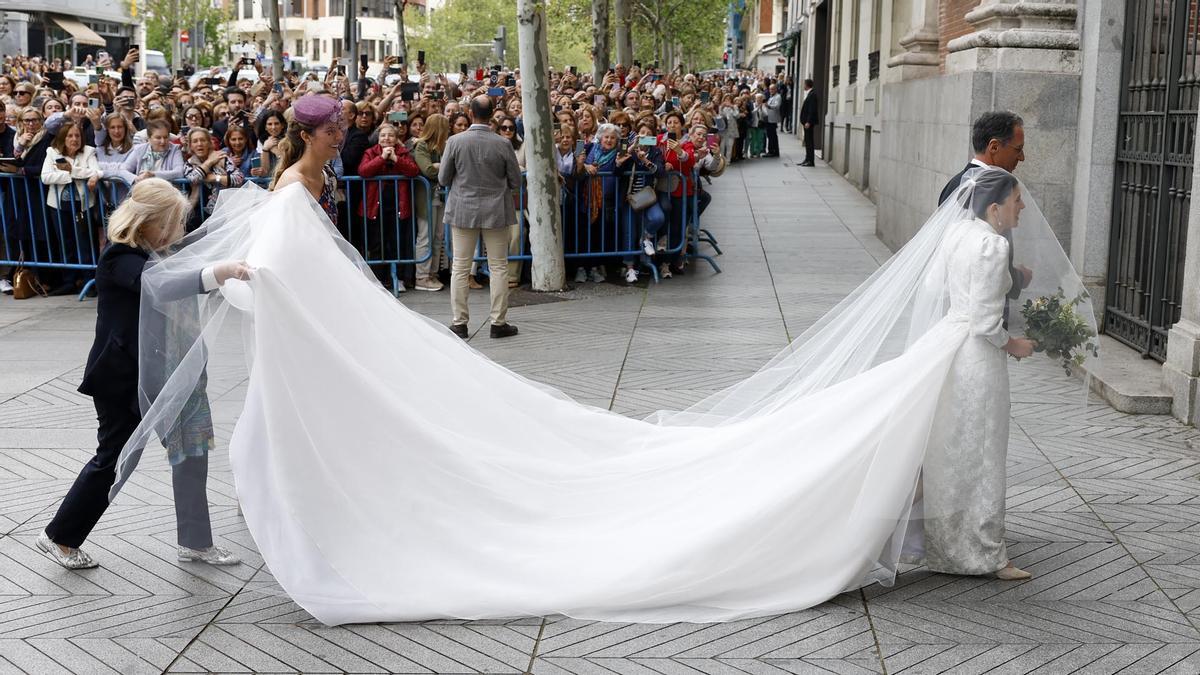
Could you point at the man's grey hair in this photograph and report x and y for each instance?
(607, 128)
(999, 125)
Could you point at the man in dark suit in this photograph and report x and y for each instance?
(998, 139)
(809, 114)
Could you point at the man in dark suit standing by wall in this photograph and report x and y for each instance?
(809, 114)
(998, 139)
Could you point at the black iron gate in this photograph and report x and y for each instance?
(1160, 90)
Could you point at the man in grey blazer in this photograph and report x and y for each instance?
(480, 168)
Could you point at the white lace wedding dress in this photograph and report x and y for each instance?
(372, 498)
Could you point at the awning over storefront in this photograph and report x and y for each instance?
(82, 34)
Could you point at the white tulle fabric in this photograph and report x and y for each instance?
(374, 496)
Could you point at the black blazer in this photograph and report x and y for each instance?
(947, 192)
(810, 109)
(112, 365)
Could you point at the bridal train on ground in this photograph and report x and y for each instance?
(370, 503)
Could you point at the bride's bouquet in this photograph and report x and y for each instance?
(1059, 330)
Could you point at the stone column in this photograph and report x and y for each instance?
(1018, 36)
(1102, 27)
(1181, 372)
(920, 43)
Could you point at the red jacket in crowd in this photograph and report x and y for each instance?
(683, 166)
(373, 164)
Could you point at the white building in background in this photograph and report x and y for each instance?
(67, 29)
(761, 29)
(314, 29)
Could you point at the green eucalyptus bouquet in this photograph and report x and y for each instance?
(1059, 330)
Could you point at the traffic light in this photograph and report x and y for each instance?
(725, 59)
(500, 44)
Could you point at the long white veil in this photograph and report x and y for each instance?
(374, 496)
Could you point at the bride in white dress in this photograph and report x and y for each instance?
(370, 504)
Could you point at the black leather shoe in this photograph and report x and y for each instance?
(503, 330)
(459, 329)
(807, 164)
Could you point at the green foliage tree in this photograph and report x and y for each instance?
(694, 27)
(165, 18)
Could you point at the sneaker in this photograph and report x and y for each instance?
(662, 245)
(429, 284)
(598, 276)
(581, 275)
(213, 555)
(631, 275)
(648, 246)
(75, 560)
(664, 271)
(6, 287)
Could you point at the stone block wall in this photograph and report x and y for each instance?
(927, 139)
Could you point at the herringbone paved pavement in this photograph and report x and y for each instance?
(1103, 507)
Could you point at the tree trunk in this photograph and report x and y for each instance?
(402, 40)
(624, 11)
(599, 41)
(276, 41)
(542, 194)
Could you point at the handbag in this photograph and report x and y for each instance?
(25, 282)
(640, 200)
(668, 182)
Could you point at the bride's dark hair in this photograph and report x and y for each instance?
(991, 187)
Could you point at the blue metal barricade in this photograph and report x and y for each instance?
(599, 224)
(67, 238)
(376, 225)
(698, 235)
(370, 218)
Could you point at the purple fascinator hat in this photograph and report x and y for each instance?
(314, 111)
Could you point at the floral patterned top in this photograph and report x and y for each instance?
(328, 199)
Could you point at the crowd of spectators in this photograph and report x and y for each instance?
(639, 130)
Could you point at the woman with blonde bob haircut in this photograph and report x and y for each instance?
(149, 221)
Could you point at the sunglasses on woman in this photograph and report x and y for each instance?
(507, 128)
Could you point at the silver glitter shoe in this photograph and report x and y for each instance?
(75, 560)
(213, 555)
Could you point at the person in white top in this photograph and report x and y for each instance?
(71, 173)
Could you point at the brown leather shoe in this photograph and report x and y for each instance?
(503, 330)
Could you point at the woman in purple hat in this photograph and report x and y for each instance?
(313, 139)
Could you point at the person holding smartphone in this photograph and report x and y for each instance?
(608, 219)
(71, 174)
(679, 156)
(648, 166)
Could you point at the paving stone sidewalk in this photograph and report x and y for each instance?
(1103, 507)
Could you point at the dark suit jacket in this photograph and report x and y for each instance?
(7, 137)
(1017, 277)
(112, 365)
(810, 109)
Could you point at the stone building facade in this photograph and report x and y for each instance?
(1109, 91)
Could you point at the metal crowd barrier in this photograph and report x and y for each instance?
(38, 236)
(68, 238)
(385, 240)
(617, 230)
